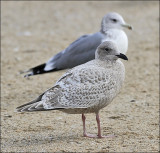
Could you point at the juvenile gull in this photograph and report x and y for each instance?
(83, 49)
(86, 88)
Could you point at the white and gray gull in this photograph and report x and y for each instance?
(86, 88)
(83, 49)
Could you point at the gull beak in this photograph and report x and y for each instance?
(127, 26)
(122, 56)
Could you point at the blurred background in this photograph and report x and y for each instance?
(33, 31)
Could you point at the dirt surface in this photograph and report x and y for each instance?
(31, 32)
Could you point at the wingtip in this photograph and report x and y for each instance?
(20, 110)
(28, 75)
(17, 110)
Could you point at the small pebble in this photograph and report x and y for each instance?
(133, 100)
(7, 115)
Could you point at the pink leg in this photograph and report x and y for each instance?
(99, 128)
(98, 125)
(84, 128)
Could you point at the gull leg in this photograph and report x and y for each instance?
(98, 125)
(84, 128)
(99, 128)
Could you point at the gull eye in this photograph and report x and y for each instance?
(114, 20)
(107, 49)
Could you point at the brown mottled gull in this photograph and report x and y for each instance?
(86, 88)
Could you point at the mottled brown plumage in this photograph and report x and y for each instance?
(86, 88)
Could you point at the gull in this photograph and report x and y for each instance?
(86, 88)
(83, 49)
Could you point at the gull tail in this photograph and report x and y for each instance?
(38, 106)
(35, 105)
(40, 69)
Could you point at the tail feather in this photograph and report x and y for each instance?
(37, 102)
(38, 106)
(40, 69)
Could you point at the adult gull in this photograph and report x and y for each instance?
(83, 49)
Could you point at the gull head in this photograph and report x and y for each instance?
(113, 20)
(108, 51)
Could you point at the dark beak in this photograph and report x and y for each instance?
(122, 56)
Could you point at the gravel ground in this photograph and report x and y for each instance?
(32, 31)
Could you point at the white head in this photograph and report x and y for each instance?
(113, 20)
(109, 51)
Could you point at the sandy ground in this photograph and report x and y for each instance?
(32, 32)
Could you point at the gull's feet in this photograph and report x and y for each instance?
(98, 136)
(106, 136)
(90, 135)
